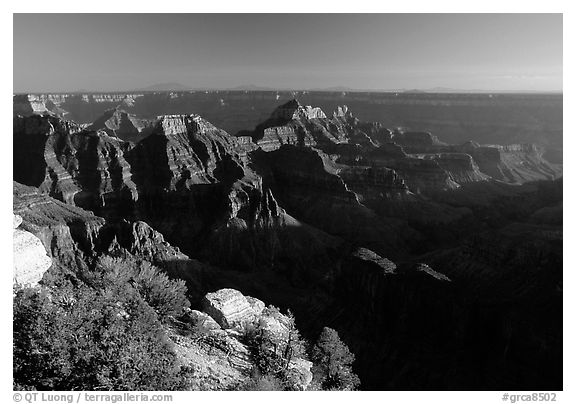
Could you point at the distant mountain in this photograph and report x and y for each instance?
(439, 90)
(414, 91)
(335, 88)
(165, 87)
(252, 87)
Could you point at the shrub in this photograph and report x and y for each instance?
(264, 383)
(85, 339)
(166, 296)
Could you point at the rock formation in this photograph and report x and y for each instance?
(509, 119)
(293, 110)
(232, 311)
(30, 259)
(64, 230)
(229, 308)
(187, 150)
(170, 180)
(516, 163)
(117, 122)
(413, 142)
(72, 164)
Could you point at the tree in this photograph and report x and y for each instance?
(295, 345)
(275, 347)
(333, 362)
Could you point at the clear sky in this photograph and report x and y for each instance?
(105, 52)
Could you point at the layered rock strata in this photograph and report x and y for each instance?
(229, 308)
(117, 122)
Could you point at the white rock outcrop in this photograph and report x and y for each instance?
(30, 258)
(229, 308)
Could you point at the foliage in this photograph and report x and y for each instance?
(166, 296)
(97, 338)
(263, 383)
(333, 362)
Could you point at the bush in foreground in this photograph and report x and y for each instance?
(81, 338)
(166, 296)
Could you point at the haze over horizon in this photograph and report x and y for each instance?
(120, 52)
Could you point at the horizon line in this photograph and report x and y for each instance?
(279, 90)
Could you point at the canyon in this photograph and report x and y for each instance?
(484, 118)
(437, 259)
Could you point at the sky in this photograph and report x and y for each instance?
(118, 52)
